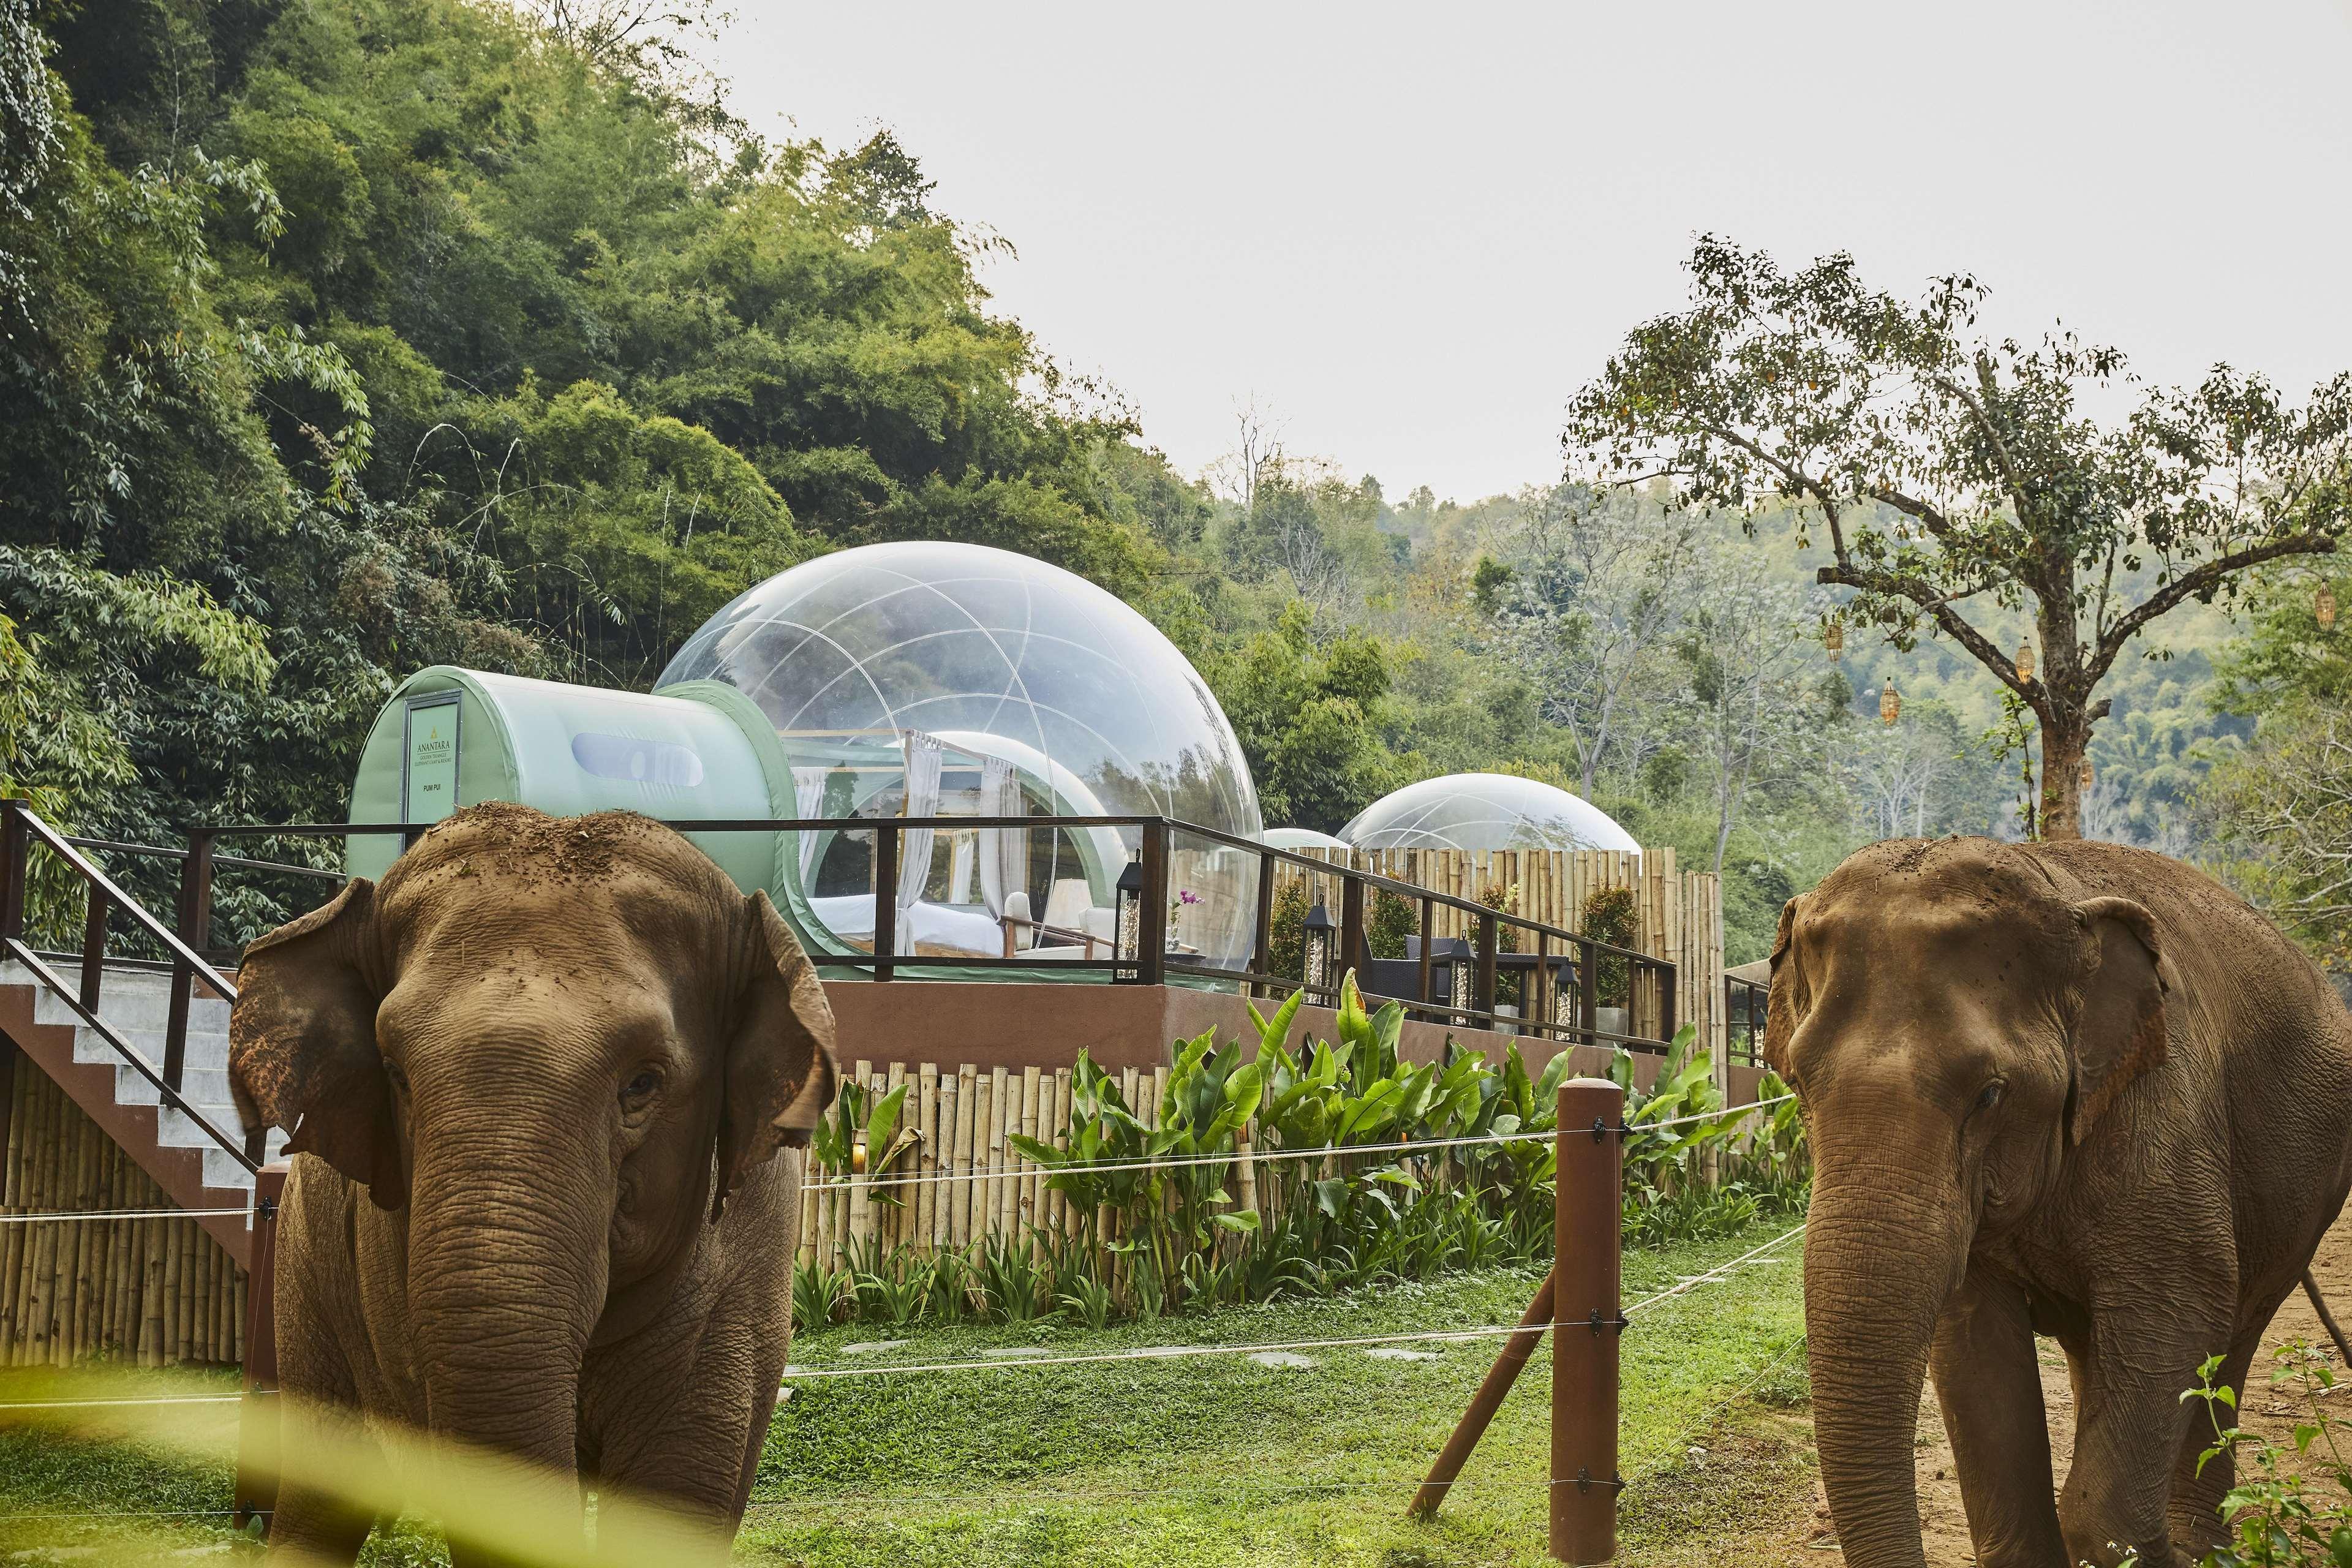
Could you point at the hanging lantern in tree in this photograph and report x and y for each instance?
(2083, 775)
(1890, 704)
(2323, 608)
(2026, 661)
(1833, 640)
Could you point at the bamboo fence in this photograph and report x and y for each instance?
(152, 1291)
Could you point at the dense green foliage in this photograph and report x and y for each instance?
(339, 337)
(344, 337)
(1152, 1239)
(2278, 808)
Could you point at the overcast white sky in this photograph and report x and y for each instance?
(1414, 231)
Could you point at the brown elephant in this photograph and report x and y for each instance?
(2061, 1089)
(535, 1081)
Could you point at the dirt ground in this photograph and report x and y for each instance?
(1805, 1537)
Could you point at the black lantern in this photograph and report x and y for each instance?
(1457, 953)
(1129, 928)
(1316, 939)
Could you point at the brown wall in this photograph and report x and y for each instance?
(1046, 1025)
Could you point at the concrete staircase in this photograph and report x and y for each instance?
(165, 1141)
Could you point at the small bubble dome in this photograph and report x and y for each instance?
(1485, 811)
(938, 679)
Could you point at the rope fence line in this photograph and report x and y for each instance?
(109, 1404)
(1264, 1156)
(1706, 1423)
(1145, 1353)
(90, 1215)
(1721, 1271)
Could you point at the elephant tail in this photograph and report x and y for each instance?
(2327, 1318)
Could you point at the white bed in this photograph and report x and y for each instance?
(925, 928)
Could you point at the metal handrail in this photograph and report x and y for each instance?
(1555, 949)
(20, 829)
(16, 948)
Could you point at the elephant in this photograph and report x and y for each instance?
(2072, 1089)
(537, 1081)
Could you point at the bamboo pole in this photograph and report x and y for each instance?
(12, 1199)
(1063, 1130)
(151, 1296)
(1001, 1109)
(892, 1215)
(45, 1250)
(960, 1193)
(1026, 1215)
(925, 1204)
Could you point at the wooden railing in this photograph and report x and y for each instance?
(22, 833)
(1566, 983)
(1559, 973)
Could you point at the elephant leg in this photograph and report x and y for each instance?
(315, 1521)
(1990, 1385)
(2130, 1425)
(2196, 1510)
(692, 1450)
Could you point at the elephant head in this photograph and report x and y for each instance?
(1954, 1022)
(554, 1047)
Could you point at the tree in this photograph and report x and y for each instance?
(1752, 709)
(1586, 614)
(2280, 808)
(1952, 474)
(1308, 718)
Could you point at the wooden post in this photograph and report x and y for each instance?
(1152, 924)
(1482, 988)
(194, 930)
(14, 842)
(257, 1447)
(1500, 1378)
(1262, 942)
(1351, 937)
(1585, 1236)
(886, 897)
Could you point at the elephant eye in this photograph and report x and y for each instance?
(1989, 1096)
(640, 1088)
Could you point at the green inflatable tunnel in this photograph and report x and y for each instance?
(451, 737)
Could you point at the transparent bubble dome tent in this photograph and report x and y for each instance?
(935, 680)
(1481, 811)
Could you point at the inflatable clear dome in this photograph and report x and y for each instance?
(931, 680)
(1485, 811)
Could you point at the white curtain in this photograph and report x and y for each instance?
(960, 868)
(923, 757)
(1003, 851)
(808, 801)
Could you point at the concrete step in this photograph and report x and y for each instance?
(130, 1001)
(204, 1052)
(203, 1086)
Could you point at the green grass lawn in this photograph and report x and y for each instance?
(1205, 1460)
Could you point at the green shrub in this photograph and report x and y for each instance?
(1177, 1238)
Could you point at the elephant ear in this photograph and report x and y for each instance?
(1787, 999)
(302, 1042)
(780, 1073)
(2120, 1031)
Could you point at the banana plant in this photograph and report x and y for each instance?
(863, 1124)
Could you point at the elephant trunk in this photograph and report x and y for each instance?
(507, 1278)
(1881, 1258)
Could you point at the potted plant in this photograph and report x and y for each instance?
(1609, 916)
